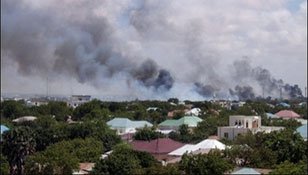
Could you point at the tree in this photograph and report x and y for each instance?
(4, 168)
(121, 161)
(124, 160)
(148, 134)
(13, 109)
(290, 168)
(63, 157)
(211, 163)
(17, 144)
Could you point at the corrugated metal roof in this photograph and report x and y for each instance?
(302, 130)
(207, 144)
(246, 171)
(191, 121)
(157, 146)
(126, 123)
(287, 114)
(4, 128)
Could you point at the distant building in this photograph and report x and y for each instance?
(283, 104)
(240, 124)
(194, 111)
(77, 100)
(126, 126)
(37, 102)
(287, 114)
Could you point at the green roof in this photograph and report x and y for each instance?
(169, 123)
(191, 121)
(126, 123)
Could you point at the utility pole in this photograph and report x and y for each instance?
(280, 93)
(263, 92)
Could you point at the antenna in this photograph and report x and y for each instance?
(263, 92)
(47, 81)
(280, 93)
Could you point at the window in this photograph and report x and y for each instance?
(246, 124)
(226, 135)
(235, 122)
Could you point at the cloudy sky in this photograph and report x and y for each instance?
(152, 48)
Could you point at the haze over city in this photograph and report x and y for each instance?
(155, 49)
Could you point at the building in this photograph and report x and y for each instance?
(3, 128)
(84, 168)
(125, 125)
(24, 119)
(77, 100)
(271, 116)
(240, 124)
(194, 112)
(246, 170)
(287, 114)
(159, 148)
(204, 146)
(302, 130)
(190, 121)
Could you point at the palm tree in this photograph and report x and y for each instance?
(17, 144)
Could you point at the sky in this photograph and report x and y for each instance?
(154, 49)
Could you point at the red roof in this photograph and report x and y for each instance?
(287, 114)
(157, 146)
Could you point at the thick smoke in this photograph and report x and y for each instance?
(99, 43)
(244, 72)
(243, 92)
(150, 76)
(206, 90)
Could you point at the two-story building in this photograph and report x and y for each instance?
(240, 124)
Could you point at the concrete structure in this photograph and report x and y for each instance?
(77, 100)
(240, 124)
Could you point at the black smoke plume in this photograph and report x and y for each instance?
(243, 92)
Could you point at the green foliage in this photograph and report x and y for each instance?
(17, 144)
(12, 109)
(266, 150)
(158, 169)
(4, 168)
(59, 109)
(211, 163)
(124, 160)
(288, 124)
(91, 110)
(147, 133)
(183, 134)
(290, 168)
(63, 157)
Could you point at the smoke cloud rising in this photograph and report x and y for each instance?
(144, 49)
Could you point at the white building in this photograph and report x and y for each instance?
(240, 124)
(77, 100)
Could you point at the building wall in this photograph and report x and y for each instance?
(245, 121)
(230, 132)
